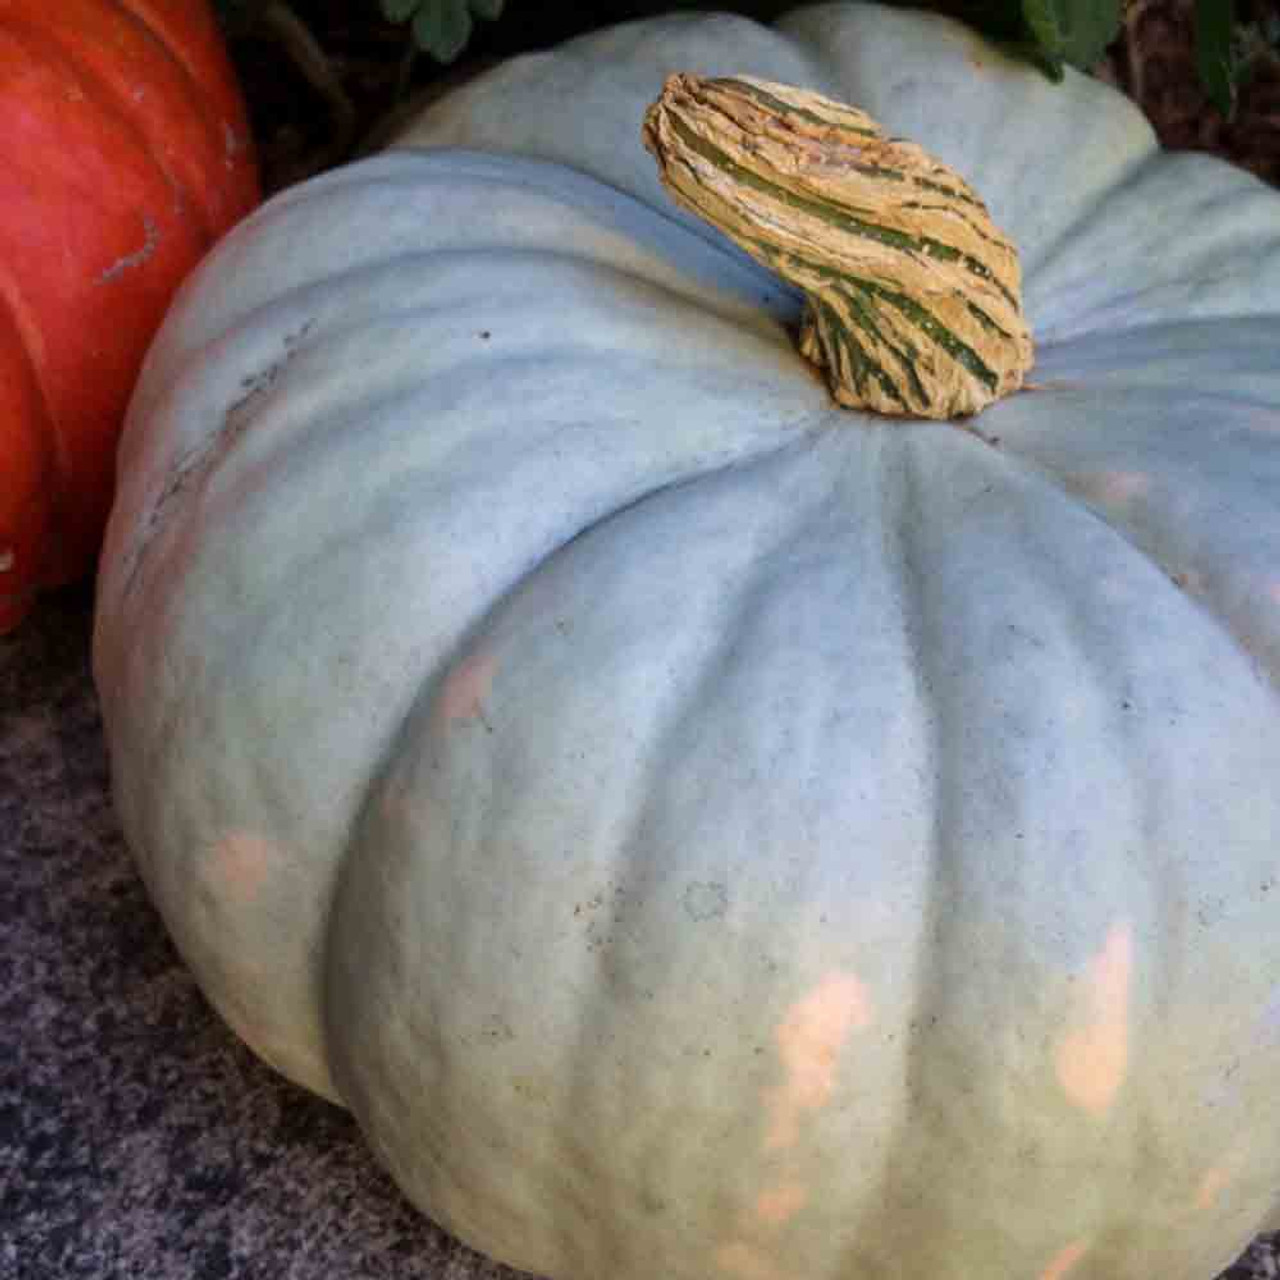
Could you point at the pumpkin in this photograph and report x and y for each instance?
(700, 830)
(127, 153)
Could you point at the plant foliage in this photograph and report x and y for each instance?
(441, 27)
(1071, 31)
(1052, 33)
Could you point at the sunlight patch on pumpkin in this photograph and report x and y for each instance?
(1065, 1260)
(1092, 1061)
(810, 1040)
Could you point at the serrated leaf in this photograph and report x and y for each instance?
(442, 28)
(1074, 31)
(1215, 54)
(399, 10)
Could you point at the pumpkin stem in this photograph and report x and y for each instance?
(914, 304)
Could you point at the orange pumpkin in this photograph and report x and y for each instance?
(126, 152)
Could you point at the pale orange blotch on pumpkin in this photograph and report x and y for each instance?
(1211, 1186)
(1092, 1061)
(772, 1210)
(466, 688)
(242, 863)
(810, 1039)
(780, 1204)
(394, 803)
(1124, 486)
(741, 1259)
(1065, 1260)
(287, 1055)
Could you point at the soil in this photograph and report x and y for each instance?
(1154, 62)
(320, 75)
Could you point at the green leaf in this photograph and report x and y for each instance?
(442, 28)
(1074, 31)
(1050, 63)
(1216, 58)
(399, 10)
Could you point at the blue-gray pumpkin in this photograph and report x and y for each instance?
(699, 830)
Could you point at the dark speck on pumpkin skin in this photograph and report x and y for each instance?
(496, 1030)
(652, 1203)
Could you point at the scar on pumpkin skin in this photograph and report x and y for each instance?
(810, 1040)
(1064, 1261)
(1092, 1062)
(151, 238)
(466, 688)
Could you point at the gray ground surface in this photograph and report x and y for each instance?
(138, 1138)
